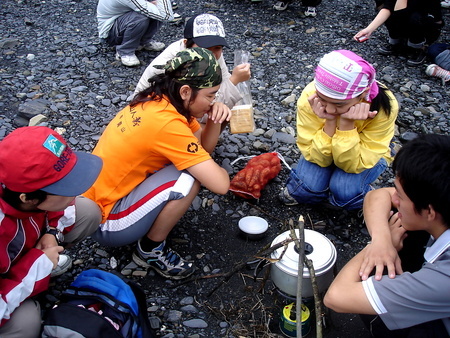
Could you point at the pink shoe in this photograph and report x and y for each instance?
(435, 70)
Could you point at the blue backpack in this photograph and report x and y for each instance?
(99, 304)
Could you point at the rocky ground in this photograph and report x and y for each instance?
(51, 63)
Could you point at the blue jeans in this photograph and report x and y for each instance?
(310, 183)
(439, 53)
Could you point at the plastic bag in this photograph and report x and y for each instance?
(242, 120)
(249, 182)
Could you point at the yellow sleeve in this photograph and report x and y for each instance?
(314, 144)
(361, 148)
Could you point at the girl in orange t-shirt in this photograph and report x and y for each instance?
(155, 158)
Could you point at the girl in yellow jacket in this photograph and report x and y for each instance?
(345, 123)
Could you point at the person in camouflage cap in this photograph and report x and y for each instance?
(167, 158)
(195, 67)
(198, 69)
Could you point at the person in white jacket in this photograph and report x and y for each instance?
(206, 31)
(131, 24)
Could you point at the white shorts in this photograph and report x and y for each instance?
(133, 215)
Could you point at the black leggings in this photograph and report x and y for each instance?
(306, 3)
(311, 3)
(414, 26)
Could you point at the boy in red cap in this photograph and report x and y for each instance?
(40, 212)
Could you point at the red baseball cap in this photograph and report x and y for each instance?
(38, 158)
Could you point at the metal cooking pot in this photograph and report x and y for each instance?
(318, 249)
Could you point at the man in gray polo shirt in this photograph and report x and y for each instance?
(407, 303)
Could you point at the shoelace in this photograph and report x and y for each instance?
(442, 73)
(171, 256)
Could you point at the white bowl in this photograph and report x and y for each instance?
(253, 227)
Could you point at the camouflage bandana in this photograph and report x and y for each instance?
(196, 67)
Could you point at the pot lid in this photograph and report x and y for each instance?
(318, 249)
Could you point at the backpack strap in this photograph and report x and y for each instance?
(59, 322)
(147, 331)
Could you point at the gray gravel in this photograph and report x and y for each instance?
(55, 72)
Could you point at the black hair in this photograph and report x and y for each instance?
(382, 100)
(190, 43)
(165, 85)
(13, 197)
(423, 169)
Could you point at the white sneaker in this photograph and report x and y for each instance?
(128, 60)
(176, 17)
(154, 46)
(280, 6)
(445, 3)
(311, 11)
(64, 264)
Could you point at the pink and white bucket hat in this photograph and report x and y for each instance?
(343, 75)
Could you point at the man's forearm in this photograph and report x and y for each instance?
(346, 293)
(382, 252)
(377, 208)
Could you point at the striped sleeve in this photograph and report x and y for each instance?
(161, 11)
(28, 277)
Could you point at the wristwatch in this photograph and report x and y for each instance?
(55, 232)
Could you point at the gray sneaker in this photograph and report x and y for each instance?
(286, 198)
(164, 261)
(64, 264)
(281, 5)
